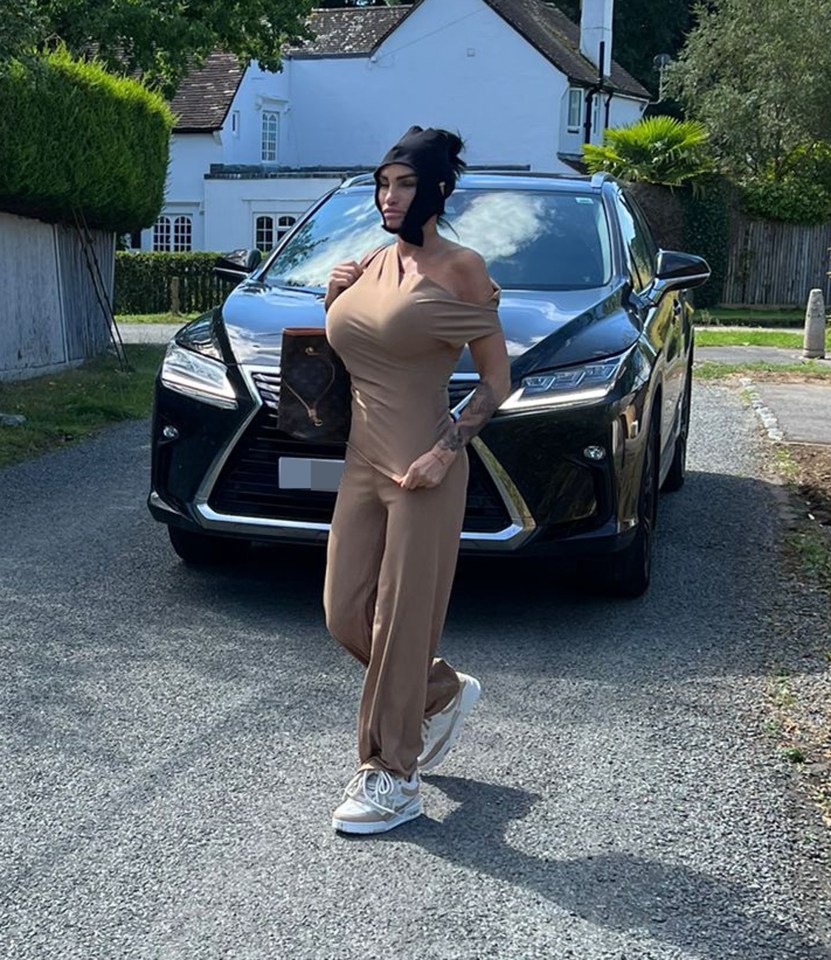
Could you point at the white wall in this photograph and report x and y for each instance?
(232, 205)
(258, 91)
(191, 155)
(455, 65)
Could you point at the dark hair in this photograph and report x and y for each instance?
(455, 145)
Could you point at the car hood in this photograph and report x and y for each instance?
(542, 328)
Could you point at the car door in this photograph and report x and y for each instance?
(664, 319)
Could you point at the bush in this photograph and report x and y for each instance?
(706, 214)
(76, 138)
(798, 192)
(142, 282)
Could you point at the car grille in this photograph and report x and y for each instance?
(248, 483)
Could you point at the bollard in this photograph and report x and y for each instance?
(174, 296)
(814, 342)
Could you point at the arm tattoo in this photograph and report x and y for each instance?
(479, 410)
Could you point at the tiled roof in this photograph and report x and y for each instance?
(203, 99)
(350, 31)
(557, 38)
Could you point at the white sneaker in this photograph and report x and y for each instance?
(375, 801)
(440, 732)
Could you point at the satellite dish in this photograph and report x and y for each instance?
(661, 61)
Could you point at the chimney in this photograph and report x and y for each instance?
(596, 27)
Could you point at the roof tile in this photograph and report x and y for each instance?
(203, 99)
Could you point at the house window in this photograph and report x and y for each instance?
(270, 230)
(269, 142)
(182, 234)
(235, 123)
(161, 235)
(284, 224)
(575, 109)
(264, 233)
(173, 234)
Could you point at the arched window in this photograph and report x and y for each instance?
(264, 233)
(182, 234)
(269, 141)
(284, 224)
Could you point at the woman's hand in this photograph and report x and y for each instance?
(428, 471)
(341, 277)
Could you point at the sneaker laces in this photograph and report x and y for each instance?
(375, 787)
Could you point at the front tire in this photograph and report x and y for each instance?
(630, 569)
(203, 549)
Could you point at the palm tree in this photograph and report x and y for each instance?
(656, 150)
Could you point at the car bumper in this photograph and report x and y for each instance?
(533, 488)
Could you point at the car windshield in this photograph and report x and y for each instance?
(530, 240)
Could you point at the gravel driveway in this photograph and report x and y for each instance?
(173, 743)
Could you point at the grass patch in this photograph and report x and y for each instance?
(713, 370)
(812, 550)
(180, 318)
(65, 407)
(787, 339)
(750, 317)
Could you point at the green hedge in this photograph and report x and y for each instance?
(706, 214)
(74, 137)
(142, 282)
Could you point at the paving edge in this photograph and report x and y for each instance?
(764, 413)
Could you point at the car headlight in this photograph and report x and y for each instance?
(196, 376)
(566, 386)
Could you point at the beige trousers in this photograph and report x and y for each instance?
(390, 566)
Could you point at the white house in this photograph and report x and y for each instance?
(252, 149)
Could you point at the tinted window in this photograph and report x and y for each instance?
(529, 240)
(639, 243)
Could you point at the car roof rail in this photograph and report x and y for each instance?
(598, 179)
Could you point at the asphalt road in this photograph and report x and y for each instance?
(173, 743)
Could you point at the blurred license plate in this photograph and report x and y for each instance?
(304, 473)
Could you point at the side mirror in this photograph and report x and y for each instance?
(681, 269)
(237, 264)
(677, 271)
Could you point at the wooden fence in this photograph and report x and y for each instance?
(776, 264)
(51, 312)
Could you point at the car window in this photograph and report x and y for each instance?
(528, 239)
(639, 242)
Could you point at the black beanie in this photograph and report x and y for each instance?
(434, 155)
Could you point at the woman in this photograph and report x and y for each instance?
(400, 320)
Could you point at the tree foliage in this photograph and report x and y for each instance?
(21, 29)
(758, 74)
(160, 39)
(801, 191)
(656, 150)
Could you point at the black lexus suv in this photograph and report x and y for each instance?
(599, 333)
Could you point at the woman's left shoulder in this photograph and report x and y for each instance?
(470, 275)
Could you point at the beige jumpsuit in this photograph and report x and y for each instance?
(392, 552)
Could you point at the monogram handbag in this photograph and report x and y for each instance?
(315, 391)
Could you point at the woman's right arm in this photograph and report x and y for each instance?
(341, 277)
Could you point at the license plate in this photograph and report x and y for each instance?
(305, 473)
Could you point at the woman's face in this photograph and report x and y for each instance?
(396, 189)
